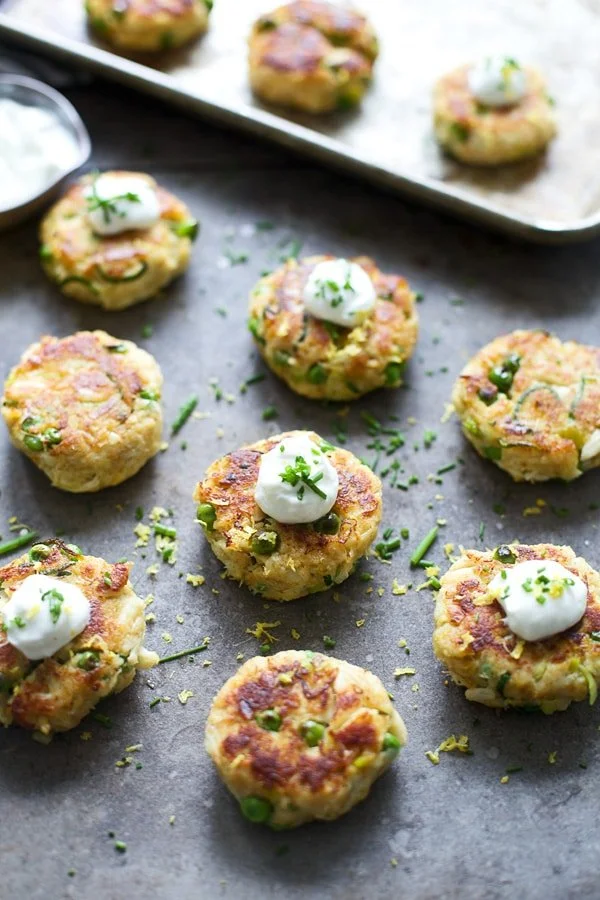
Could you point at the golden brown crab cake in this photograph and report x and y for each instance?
(85, 409)
(318, 359)
(312, 56)
(483, 655)
(490, 136)
(122, 269)
(300, 736)
(284, 562)
(54, 694)
(141, 26)
(531, 404)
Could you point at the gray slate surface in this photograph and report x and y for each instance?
(454, 830)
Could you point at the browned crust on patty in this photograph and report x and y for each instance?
(53, 688)
(283, 326)
(472, 637)
(538, 433)
(229, 485)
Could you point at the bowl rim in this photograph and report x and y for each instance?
(69, 112)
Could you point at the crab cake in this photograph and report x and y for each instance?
(99, 250)
(85, 409)
(320, 359)
(493, 112)
(474, 642)
(531, 404)
(148, 25)
(286, 561)
(54, 692)
(300, 736)
(312, 56)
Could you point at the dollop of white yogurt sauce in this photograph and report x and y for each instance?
(296, 482)
(121, 203)
(44, 614)
(497, 81)
(540, 597)
(339, 291)
(35, 149)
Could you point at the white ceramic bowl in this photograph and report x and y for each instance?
(30, 92)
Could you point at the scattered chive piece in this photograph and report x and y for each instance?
(147, 330)
(104, 720)
(121, 846)
(183, 415)
(255, 379)
(424, 546)
(182, 653)
(269, 413)
(165, 531)
(481, 530)
(328, 642)
(445, 469)
(139, 513)
(511, 770)
(17, 542)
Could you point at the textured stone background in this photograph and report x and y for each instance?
(454, 830)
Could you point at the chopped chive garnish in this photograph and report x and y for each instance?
(182, 653)
(445, 469)
(17, 542)
(255, 379)
(183, 415)
(165, 531)
(269, 413)
(424, 546)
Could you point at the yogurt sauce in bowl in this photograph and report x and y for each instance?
(42, 140)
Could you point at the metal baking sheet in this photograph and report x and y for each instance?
(450, 831)
(553, 199)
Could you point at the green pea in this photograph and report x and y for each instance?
(488, 395)
(505, 555)
(88, 660)
(207, 515)
(39, 551)
(512, 363)
(187, 229)
(265, 543)
(502, 378)
(30, 422)
(150, 395)
(33, 442)
(391, 742)
(494, 453)
(393, 373)
(313, 732)
(281, 357)
(269, 719)
(254, 328)
(52, 436)
(329, 524)
(316, 374)
(256, 809)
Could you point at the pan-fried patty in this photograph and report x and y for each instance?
(300, 736)
(321, 360)
(298, 559)
(531, 404)
(481, 653)
(56, 693)
(117, 271)
(85, 409)
(487, 136)
(148, 25)
(313, 56)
